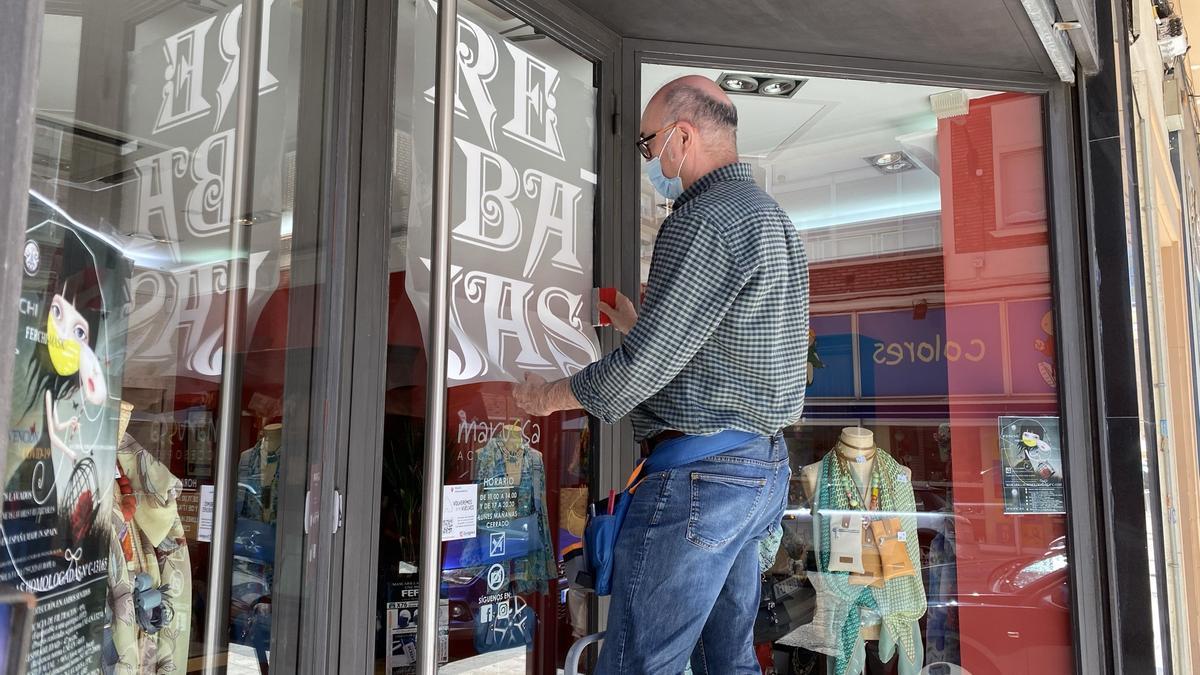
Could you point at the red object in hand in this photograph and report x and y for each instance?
(607, 295)
(612, 501)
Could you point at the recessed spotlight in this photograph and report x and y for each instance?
(759, 85)
(739, 83)
(891, 162)
(778, 87)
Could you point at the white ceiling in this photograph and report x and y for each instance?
(824, 114)
(809, 152)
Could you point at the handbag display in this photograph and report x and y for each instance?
(846, 544)
(892, 540)
(872, 574)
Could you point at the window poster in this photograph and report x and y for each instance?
(521, 228)
(1032, 464)
(60, 466)
(402, 630)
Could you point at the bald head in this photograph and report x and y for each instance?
(699, 101)
(705, 137)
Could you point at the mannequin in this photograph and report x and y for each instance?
(254, 535)
(149, 564)
(258, 469)
(512, 479)
(858, 446)
(272, 436)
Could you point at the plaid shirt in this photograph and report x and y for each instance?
(722, 339)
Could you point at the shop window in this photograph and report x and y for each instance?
(934, 352)
(120, 433)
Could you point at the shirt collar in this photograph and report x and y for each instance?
(737, 171)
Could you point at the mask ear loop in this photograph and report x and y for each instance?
(679, 168)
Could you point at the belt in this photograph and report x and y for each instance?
(661, 437)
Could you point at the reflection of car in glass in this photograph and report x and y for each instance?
(253, 562)
(476, 627)
(1022, 622)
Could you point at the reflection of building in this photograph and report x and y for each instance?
(1168, 166)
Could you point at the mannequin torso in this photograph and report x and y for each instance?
(853, 443)
(857, 446)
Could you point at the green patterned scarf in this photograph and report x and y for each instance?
(901, 602)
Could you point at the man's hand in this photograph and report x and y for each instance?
(623, 316)
(540, 398)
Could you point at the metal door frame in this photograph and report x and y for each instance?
(342, 549)
(1093, 594)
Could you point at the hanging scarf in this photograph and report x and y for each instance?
(901, 601)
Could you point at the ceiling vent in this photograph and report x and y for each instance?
(947, 104)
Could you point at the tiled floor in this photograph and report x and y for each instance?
(506, 662)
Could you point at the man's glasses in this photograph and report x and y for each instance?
(643, 143)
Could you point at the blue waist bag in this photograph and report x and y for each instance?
(600, 533)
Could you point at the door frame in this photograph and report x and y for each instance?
(1080, 407)
(342, 553)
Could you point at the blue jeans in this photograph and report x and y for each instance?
(686, 574)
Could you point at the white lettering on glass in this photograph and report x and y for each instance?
(182, 95)
(535, 120)
(492, 219)
(557, 202)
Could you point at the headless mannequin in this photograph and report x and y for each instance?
(513, 452)
(272, 435)
(858, 446)
(123, 420)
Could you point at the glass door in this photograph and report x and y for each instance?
(516, 487)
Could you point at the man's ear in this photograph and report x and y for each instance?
(686, 137)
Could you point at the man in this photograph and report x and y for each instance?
(721, 345)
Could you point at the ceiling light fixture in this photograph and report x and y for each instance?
(759, 85)
(739, 83)
(778, 87)
(891, 162)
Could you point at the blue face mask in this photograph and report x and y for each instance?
(669, 188)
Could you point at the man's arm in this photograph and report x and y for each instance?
(538, 397)
(694, 279)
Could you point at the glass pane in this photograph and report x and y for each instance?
(113, 473)
(516, 487)
(934, 351)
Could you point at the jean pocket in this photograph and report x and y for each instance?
(722, 507)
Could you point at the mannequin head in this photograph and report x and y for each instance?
(855, 442)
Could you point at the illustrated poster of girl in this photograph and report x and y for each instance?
(62, 440)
